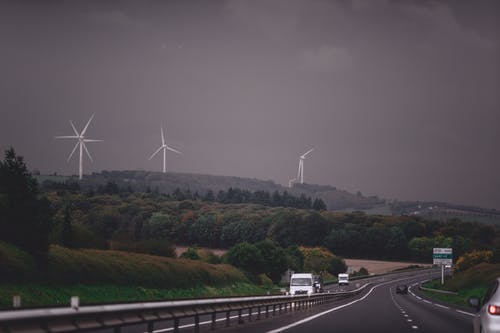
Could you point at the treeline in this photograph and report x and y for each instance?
(231, 196)
(148, 222)
(104, 220)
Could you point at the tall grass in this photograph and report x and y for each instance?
(470, 283)
(37, 295)
(100, 276)
(67, 266)
(15, 264)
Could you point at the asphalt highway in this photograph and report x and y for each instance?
(379, 309)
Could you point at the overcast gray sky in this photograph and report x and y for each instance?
(399, 98)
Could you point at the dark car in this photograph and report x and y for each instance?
(402, 289)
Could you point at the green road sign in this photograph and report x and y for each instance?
(442, 256)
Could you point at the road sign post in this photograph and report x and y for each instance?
(444, 257)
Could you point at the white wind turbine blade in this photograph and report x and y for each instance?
(162, 137)
(172, 149)
(67, 137)
(156, 152)
(305, 154)
(86, 126)
(91, 140)
(87, 151)
(73, 151)
(74, 129)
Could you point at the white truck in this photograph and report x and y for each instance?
(343, 279)
(301, 284)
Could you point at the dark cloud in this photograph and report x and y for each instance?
(398, 98)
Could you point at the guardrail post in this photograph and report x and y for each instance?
(197, 323)
(212, 326)
(240, 319)
(176, 325)
(150, 327)
(16, 302)
(279, 308)
(267, 311)
(228, 318)
(258, 312)
(274, 309)
(250, 314)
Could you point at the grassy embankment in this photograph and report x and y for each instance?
(98, 276)
(472, 282)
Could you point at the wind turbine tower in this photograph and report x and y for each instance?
(80, 144)
(300, 174)
(164, 147)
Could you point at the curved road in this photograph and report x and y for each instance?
(379, 309)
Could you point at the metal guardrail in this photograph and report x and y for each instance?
(116, 316)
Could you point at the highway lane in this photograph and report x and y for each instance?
(377, 310)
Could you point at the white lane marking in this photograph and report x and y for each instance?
(466, 313)
(402, 311)
(305, 320)
(439, 305)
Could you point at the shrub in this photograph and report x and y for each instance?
(264, 280)
(208, 256)
(473, 258)
(319, 259)
(362, 272)
(16, 265)
(190, 254)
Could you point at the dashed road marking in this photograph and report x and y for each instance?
(439, 305)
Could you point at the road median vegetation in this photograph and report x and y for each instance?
(471, 282)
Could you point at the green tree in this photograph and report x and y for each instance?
(318, 204)
(205, 231)
(421, 248)
(161, 225)
(66, 233)
(295, 258)
(245, 256)
(25, 216)
(273, 259)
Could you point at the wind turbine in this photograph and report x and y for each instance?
(165, 147)
(291, 181)
(300, 174)
(80, 144)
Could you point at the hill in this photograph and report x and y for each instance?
(144, 181)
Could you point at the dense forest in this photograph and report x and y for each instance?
(105, 220)
(114, 217)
